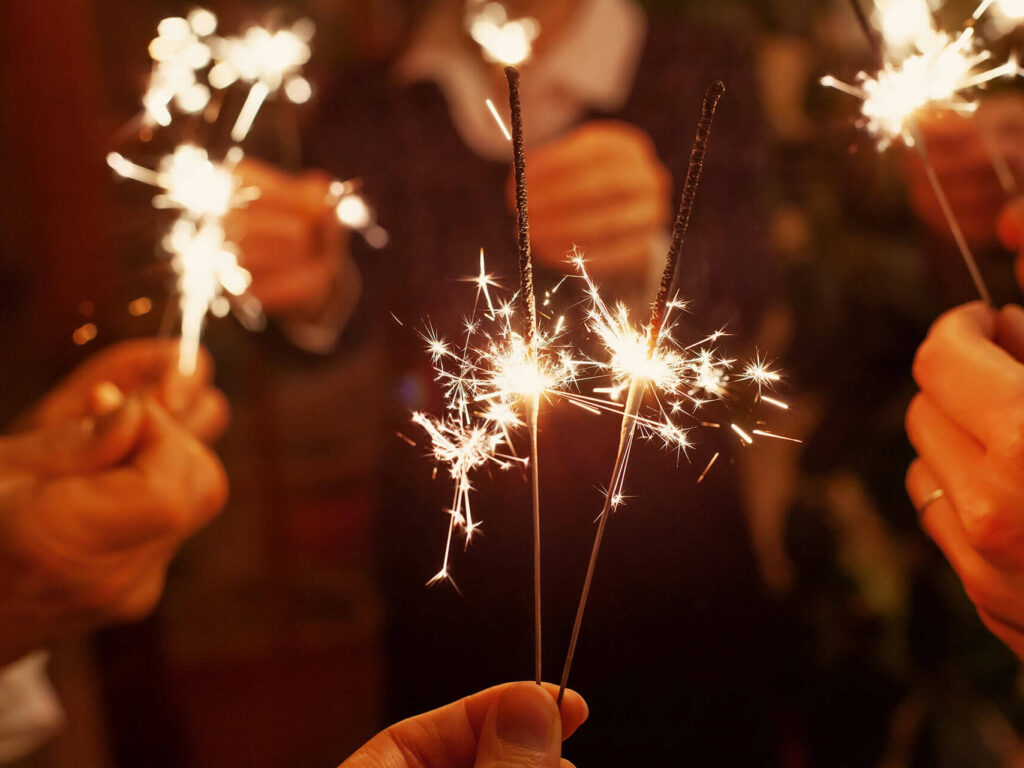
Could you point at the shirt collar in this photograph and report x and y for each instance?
(591, 66)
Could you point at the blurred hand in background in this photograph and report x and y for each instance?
(600, 187)
(293, 244)
(138, 367)
(91, 512)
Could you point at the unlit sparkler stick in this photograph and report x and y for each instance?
(529, 301)
(638, 384)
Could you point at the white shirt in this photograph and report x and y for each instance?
(30, 713)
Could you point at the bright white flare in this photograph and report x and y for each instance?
(353, 212)
(268, 61)
(489, 380)
(1004, 16)
(502, 40)
(179, 51)
(905, 25)
(681, 381)
(190, 181)
(207, 267)
(939, 77)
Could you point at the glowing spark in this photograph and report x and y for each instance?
(353, 212)
(179, 51)
(758, 372)
(743, 435)
(206, 264)
(207, 268)
(190, 181)
(269, 61)
(905, 24)
(1004, 15)
(938, 77)
(707, 469)
(501, 39)
(498, 120)
(490, 380)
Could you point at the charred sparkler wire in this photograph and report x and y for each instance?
(638, 385)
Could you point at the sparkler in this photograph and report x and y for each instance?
(353, 212)
(502, 40)
(1006, 15)
(640, 359)
(487, 379)
(512, 372)
(939, 73)
(269, 62)
(179, 51)
(529, 364)
(207, 268)
(203, 192)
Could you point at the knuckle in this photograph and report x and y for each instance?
(913, 416)
(926, 359)
(1009, 451)
(986, 523)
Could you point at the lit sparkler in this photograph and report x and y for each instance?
(1005, 15)
(203, 192)
(502, 40)
(353, 212)
(207, 268)
(269, 61)
(641, 359)
(190, 181)
(939, 72)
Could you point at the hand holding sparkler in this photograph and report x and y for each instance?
(925, 69)
(515, 725)
(967, 426)
(603, 188)
(292, 243)
(141, 367)
(92, 511)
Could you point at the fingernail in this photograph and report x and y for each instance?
(106, 421)
(525, 717)
(106, 397)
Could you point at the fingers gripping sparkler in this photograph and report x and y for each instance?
(639, 377)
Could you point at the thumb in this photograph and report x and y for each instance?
(523, 729)
(74, 447)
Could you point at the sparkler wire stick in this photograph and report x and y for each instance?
(869, 32)
(638, 384)
(947, 212)
(530, 304)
